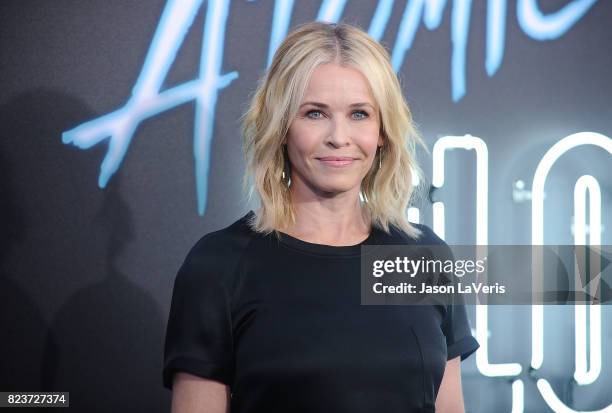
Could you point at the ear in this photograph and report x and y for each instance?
(380, 140)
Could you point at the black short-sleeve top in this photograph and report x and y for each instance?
(281, 323)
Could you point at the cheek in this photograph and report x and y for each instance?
(367, 134)
(302, 141)
(369, 144)
(299, 153)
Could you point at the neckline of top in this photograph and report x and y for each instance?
(325, 249)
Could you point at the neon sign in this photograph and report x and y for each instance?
(148, 100)
(587, 329)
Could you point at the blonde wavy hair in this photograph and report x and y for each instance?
(386, 192)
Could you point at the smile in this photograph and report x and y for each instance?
(336, 162)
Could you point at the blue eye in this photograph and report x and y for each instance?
(361, 112)
(365, 114)
(312, 111)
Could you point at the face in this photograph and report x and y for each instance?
(332, 141)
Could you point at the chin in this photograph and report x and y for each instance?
(334, 186)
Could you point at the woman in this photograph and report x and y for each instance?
(266, 312)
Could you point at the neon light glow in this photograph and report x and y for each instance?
(518, 396)
(280, 26)
(331, 10)
(439, 226)
(147, 100)
(540, 27)
(469, 142)
(414, 214)
(587, 184)
(496, 35)
(537, 218)
(433, 10)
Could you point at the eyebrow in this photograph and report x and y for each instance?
(324, 106)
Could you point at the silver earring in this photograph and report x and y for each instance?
(379, 158)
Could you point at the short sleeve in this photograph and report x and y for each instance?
(455, 323)
(456, 328)
(199, 332)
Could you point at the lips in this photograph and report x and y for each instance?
(336, 158)
(336, 161)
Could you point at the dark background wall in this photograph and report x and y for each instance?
(86, 273)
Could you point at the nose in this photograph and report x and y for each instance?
(339, 133)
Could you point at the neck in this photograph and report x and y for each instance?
(333, 220)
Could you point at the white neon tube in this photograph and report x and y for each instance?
(537, 222)
(581, 374)
(482, 195)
